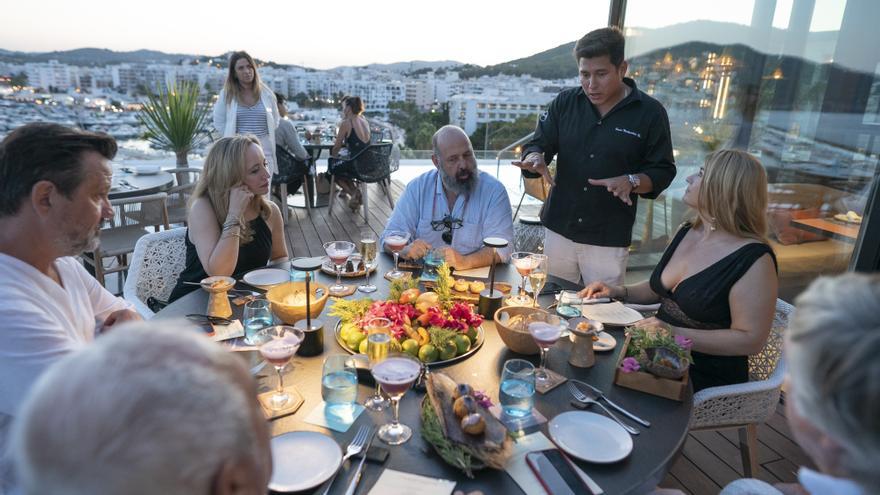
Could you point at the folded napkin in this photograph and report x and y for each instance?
(519, 470)
(226, 332)
(482, 272)
(393, 482)
(337, 418)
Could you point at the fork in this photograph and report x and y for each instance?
(354, 448)
(581, 397)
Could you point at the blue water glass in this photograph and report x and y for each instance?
(433, 259)
(568, 306)
(517, 394)
(339, 384)
(257, 315)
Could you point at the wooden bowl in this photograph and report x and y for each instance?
(291, 314)
(518, 340)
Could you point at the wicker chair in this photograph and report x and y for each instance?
(178, 196)
(372, 165)
(288, 169)
(132, 217)
(743, 406)
(156, 264)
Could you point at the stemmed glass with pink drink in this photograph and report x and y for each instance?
(277, 345)
(396, 374)
(338, 252)
(395, 241)
(545, 329)
(523, 262)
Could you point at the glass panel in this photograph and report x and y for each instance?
(794, 82)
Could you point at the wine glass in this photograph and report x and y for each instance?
(378, 345)
(277, 345)
(545, 329)
(523, 262)
(396, 240)
(538, 275)
(257, 316)
(338, 252)
(396, 374)
(368, 254)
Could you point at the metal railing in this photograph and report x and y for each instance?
(508, 148)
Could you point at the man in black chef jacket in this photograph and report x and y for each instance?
(612, 144)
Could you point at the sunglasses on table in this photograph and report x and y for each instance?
(450, 224)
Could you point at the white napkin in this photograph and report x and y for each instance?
(393, 482)
(519, 470)
(226, 332)
(339, 420)
(482, 272)
(614, 313)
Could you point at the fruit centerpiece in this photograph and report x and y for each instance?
(428, 325)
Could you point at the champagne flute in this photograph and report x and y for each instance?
(278, 344)
(545, 329)
(396, 374)
(338, 252)
(538, 275)
(396, 240)
(378, 345)
(523, 262)
(368, 254)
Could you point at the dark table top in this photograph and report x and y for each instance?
(127, 184)
(653, 452)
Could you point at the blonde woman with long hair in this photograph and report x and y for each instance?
(247, 106)
(716, 283)
(232, 227)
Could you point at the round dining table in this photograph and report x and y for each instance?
(127, 183)
(654, 449)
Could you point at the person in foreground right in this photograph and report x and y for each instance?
(716, 283)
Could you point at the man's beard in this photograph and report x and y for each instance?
(457, 185)
(78, 242)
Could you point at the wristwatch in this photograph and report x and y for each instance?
(634, 180)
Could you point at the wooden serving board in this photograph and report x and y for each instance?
(469, 296)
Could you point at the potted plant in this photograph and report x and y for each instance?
(654, 361)
(175, 119)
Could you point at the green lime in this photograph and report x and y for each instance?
(354, 339)
(428, 353)
(362, 347)
(447, 350)
(410, 346)
(462, 342)
(472, 334)
(347, 329)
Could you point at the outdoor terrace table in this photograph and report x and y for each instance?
(138, 184)
(654, 450)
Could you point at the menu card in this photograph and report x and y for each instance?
(614, 313)
(393, 482)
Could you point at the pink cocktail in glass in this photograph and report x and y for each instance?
(396, 241)
(545, 330)
(278, 345)
(396, 375)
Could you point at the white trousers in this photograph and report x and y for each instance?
(584, 263)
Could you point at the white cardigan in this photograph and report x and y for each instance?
(224, 119)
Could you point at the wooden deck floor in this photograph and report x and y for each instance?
(709, 460)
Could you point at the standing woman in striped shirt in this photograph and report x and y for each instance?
(247, 106)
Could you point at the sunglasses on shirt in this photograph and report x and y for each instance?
(450, 224)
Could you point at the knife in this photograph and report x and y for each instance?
(352, 486)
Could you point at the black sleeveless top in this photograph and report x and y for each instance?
(702, 301)
(354, 143)
(254, 254)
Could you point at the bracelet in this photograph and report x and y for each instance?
(231, 225)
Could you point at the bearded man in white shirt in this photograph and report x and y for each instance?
(54, 183)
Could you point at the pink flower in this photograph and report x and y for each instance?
(684, 342)
(629, 365)
(482, 399)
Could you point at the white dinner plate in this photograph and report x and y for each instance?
(267, 277)
(303, 460)
(590, 437)
(606, 342)
(147, 169)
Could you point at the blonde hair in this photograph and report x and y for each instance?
(733, 193)
(232, 86)
(225, 168)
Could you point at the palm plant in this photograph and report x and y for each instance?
(175, 119)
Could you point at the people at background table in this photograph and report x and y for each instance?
(353, 136)
(287, 137)
(454, 207)
(247, 106)
(148, 409)
(232, 227)
(716, 282)
(832, 392)
(612, 144)
(54, 182)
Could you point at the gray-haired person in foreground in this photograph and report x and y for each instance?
(144, 410)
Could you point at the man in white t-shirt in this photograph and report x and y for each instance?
(54, 182)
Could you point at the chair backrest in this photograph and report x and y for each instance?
(140, 211)
(156, 264)
(185, 182)
(763, 364)
(372, 164)
(288, 166)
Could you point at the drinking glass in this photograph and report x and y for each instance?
(277, 345)
(396, 240)
(396, 374)
(339, 384)
(338, 252)
(545, 329)
(538, 275)
(378, 346)
(367, 249)
(566, 306)
(517, 394)
(522, 261)
(433, 259)
(257, 316)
